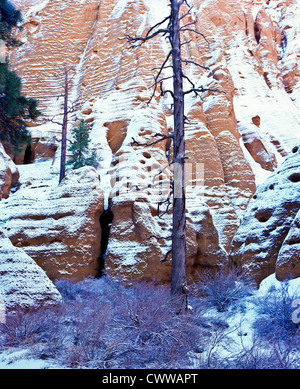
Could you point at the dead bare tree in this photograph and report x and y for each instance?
(171, 28)
(64, 124)
(62, 172)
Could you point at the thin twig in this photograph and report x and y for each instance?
(162, 138)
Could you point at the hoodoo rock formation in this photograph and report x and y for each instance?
(57, 226)
(268, 239)
(235, 138)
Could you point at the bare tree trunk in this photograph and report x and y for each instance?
(64, 129)
(172, 32)
(178, 277)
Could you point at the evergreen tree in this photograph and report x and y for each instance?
(81, 155)
(15, 109)
(9, 18)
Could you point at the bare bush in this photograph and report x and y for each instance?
(29, 326)
(274, 326)
(275, 314)
(224, 288)
(105, 324)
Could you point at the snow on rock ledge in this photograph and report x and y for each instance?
(22, 282)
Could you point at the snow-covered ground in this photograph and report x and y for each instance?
(21, 359)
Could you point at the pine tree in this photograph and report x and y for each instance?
(9, 18)
(15, 109)
(81, 155)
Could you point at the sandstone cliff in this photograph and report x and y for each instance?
(234, 139)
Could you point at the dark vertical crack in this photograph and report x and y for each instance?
(106, 220)
(28, 157)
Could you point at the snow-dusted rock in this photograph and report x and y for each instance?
(268, 239)
(22, 282)
(288, 261)
(9, 173)
(239, 136)
(57, 225)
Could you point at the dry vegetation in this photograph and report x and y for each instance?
(103, 324)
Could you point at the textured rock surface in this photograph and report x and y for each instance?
(239, 137)
(57, 226)
(268, 239)
(22, 282)
(9, 174)
(288, 260)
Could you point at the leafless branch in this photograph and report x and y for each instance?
(186, 61)
(156, 78)
(164, 92)
(165, 258)
(142, 40)
(163, 169)
(189, 80)
(166, 201)
(158, 237)
(187, 13)
(188, 24)
(150, 34)
(157, 25)
(160, 81)
(201, 90)
(186, 42)
(53, 121)
(162, 138)
(194, 31)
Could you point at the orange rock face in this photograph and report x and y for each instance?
(234, 137)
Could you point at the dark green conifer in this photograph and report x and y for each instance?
(15, 109)
(79, 148)
(9, 18)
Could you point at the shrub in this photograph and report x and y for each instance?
(275, 328)
(30, 326)
(224, 288)
(275, 314)
(104, 324)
